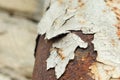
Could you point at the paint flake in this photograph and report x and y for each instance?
(94, 17)
(63, 52)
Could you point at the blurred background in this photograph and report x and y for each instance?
(18, 31)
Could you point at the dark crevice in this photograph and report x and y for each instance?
(11, 14)
(66, 11)
(48, 6)
(36, 45)
(102, 63)
(33, 20)
(114, 78)
(67, 20)
(58, 37)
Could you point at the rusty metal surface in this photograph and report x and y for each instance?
(77, 69)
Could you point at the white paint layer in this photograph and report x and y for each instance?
(93, 16)
(63, 52)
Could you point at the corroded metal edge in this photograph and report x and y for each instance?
(77, 69)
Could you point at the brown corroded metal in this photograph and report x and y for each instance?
(77, 69)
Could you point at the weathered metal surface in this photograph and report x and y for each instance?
(63, 51)
(42, 53)
(36, 45)
(77, 69)
(98, 17)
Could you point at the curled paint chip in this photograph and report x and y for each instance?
(63, 52)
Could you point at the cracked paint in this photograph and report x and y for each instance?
(63, 52)
(98, 17)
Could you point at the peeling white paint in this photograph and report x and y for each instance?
(92, 17)
(56, 9)
(63, 51)
(87, 19)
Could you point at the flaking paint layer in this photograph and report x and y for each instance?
(94, 17)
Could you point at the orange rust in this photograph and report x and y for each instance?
(60, 1)
(113, 42)
(79, 69)
(81, 4)
(118, 29)
(107, 4)
(113, 4)
(118, 18)
(117, 13)
(82, 22)
(118, 33)
(94, 70)
(104, 11)
(114, 8)
(60, 53)
(83, 59)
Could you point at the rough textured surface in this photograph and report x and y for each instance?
(73, 16)
(110, 59)
(63, 51)
(97, 17)
(17, 42)
(115, 6)
(77, 69)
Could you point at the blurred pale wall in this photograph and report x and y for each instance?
(18, 31)
(30, 8)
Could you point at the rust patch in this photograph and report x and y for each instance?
(104, 11)
(81, 4)
(115, 7)
(60, 1)
(60, 53)
(113, 42)
(85, 37)
(77, 69)
(37, 40)
(118, 29)
(117, 12)
(82, 22)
